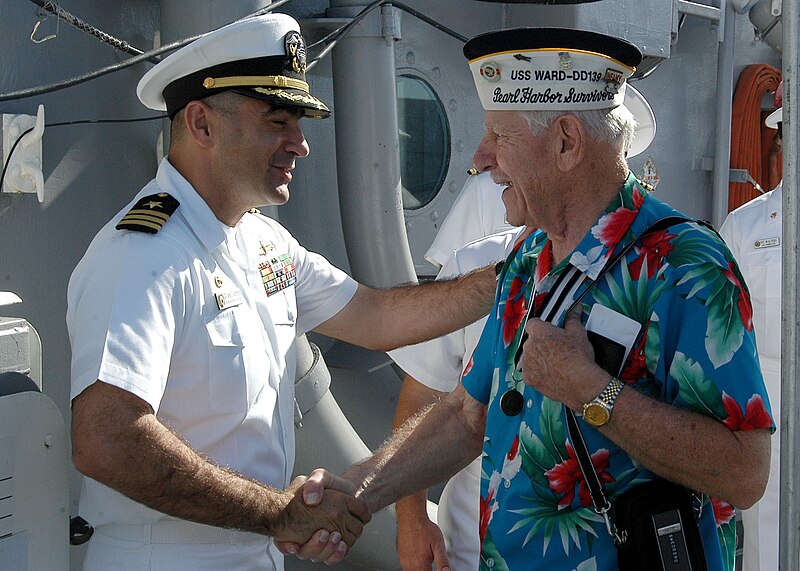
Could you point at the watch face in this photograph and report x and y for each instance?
(595, 414)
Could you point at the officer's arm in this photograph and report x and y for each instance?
(118, 441)
(385, 319)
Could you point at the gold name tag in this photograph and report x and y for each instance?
(767, 243)
(228, 299)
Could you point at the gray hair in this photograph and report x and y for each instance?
(615, 126)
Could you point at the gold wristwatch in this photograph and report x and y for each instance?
(598, 411)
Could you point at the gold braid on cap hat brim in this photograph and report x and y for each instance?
(255, 81)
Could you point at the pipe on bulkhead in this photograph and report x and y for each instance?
(722, 141)
(789, 542)
(368, 147)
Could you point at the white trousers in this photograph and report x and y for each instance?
(760, 548)
(459, 508)
(134, 548)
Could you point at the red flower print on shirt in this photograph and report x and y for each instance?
(636, 367)
(743, 300)
(654, 248)
(514, 311)
(544, 263)
(755, 415)
(488, 505)
(486, 513)
(563, 477)
(723, 511)
(612, 226)
(468, 368)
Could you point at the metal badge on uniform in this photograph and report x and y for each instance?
(277, 273)
(227, 299)
(264, 249)
(767, 242)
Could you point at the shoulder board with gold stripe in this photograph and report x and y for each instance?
(149, 214)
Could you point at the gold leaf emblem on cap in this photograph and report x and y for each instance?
(296, 50)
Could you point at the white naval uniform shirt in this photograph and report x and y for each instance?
(142, 315)
(438, 364)
(753, 234)
(478, 211)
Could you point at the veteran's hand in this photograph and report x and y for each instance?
(325, 545)
(338, 512)
(559, 363)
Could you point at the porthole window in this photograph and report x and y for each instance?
(424, 141)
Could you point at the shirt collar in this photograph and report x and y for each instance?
(617, 224)
(199, 217)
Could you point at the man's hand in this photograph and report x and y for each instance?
(559, 363)
(338, 513)
(420, 543)
(328, 544)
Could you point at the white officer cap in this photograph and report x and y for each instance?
(776, 116)
(559, 69)
(262, 57)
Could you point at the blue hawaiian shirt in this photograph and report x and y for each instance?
(695, 349)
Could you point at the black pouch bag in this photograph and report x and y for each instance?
(658, 528)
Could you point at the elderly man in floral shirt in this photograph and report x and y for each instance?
(687, 403)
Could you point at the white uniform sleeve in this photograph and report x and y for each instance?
(731, 233)
(478, 211)
(125, 303)
(322, 289)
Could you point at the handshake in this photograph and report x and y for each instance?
(322, 518)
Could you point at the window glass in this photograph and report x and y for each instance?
(424, 141)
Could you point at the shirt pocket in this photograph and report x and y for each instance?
(227, 374)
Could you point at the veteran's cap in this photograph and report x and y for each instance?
(262, 57)
(550, 69)
(645, 130)
(558, 69)
(776, 116)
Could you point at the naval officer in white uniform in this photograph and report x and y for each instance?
(183, 315)
(753, 234)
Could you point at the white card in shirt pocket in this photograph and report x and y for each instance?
(612, 336)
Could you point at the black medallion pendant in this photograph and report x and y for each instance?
(511, 403)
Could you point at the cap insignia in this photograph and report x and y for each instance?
(614, 80)
(296, 50)
(490, 71)
(520, 57)
(149, 214)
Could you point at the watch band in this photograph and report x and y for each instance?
(597, 412)
(610, 393)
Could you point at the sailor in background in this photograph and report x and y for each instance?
(477, 211)
(183, 317)
(753, 234)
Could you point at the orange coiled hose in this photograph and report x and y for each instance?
(754, 146)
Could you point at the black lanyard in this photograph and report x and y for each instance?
(511, 402)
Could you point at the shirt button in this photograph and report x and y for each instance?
(490, 562)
